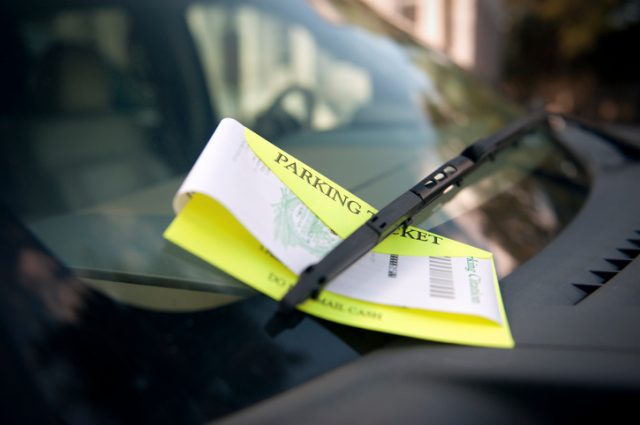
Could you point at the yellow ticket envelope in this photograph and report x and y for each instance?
(207, 225)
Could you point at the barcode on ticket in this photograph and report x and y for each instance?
(441, 278)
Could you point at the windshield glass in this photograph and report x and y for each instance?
(107, 113)
(104, 108)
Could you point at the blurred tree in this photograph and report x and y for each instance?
(575, 55)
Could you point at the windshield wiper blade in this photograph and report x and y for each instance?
(398, 213)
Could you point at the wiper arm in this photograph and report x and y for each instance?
(398, 213)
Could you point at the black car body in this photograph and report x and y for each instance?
(105, 106)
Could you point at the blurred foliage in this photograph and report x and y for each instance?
(578, 24)
(575, 55)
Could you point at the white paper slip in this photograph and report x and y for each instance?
(449, 284)
(229, 172)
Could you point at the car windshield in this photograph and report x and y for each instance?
(105, 106)
(106, 111)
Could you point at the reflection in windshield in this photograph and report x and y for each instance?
(328, 81)
(281, 68)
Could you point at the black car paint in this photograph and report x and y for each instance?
(80, 357)
(85, 358)
(71, 355)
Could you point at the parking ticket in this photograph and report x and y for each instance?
(263, 216)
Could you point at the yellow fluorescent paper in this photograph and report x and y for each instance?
(210, 231)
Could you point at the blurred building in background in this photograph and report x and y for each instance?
(574, 56)
(470, 32)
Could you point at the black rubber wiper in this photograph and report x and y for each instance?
(399, 213)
